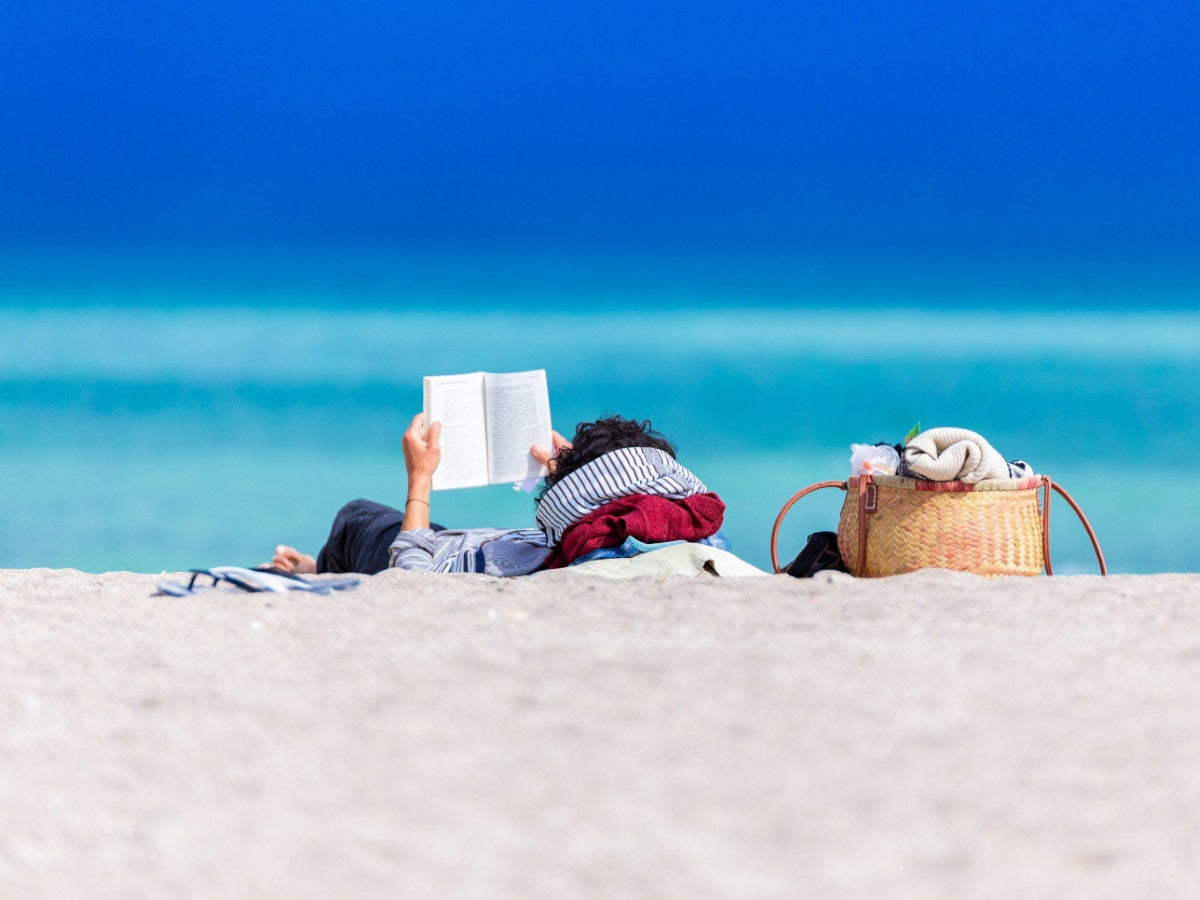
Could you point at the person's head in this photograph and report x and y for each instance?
(593, 439)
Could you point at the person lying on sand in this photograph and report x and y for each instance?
(616, 479)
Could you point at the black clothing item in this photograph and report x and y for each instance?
(819, 554)
(361, 538)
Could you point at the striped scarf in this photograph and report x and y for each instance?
(621, 473)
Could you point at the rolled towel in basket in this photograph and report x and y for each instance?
(953, 454)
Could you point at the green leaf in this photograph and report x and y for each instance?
(916, 429)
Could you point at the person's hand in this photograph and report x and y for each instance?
(289, 559)
(544, 456)
(422, 454)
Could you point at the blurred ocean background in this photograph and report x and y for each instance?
(233, 240)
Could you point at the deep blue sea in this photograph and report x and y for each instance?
(167, 419)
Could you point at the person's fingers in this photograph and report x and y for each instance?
(546, 457)
(435, 436)
(281, 560)
(542, 456)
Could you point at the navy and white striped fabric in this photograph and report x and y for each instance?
(621, 473)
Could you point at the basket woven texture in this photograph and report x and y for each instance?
(992, 530)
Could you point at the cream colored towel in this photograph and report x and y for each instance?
(954, 454)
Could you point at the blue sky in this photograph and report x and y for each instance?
(1070, 128)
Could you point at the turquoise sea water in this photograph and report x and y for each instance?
(230, 234)
(162, 431)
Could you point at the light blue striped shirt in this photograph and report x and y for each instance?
(492, 551)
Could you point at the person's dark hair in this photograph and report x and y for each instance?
(593, 439)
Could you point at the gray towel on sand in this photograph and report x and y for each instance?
(953, 454)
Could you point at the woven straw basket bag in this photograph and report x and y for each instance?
(890, 525)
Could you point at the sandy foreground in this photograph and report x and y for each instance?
(931, 735)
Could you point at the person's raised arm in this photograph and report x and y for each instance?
(421, 458)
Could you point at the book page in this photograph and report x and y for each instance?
(457, 402)
(518, 416)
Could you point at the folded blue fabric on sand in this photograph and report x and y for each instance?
(240, 578)
(634, 547)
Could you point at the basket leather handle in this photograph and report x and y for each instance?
(1087, 526)
(787, 506)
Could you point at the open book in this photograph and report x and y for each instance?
(489, 422)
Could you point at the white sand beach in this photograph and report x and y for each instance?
(930, 735)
